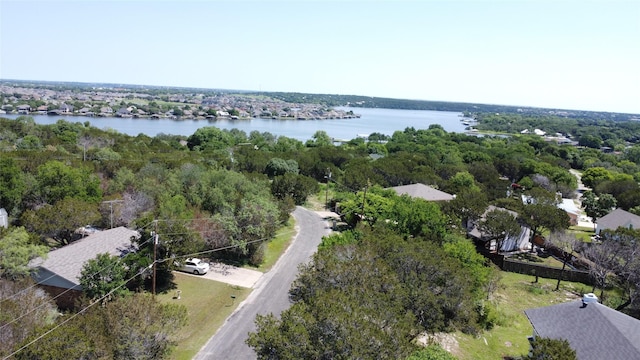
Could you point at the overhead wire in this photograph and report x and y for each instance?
(124, 283)
(59, 295)
(50, 277)
(75, 315)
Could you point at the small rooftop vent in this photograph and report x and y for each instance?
(589, 298)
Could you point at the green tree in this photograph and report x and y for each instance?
(468, 206)
(416, 217)
(60, 221)
(499, 225)
(278, 166)
(57, 181)
(29, 142)
(12, 185)
(597, 207)
(551, 349)
(541, 217)
(462, 181)
(595, 175)
(296, 187)
(210, 138)
(16, 250)
(320, 138)
(105, 274)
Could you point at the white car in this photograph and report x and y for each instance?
(195, 266)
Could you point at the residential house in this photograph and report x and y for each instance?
(123, 112)
(106, 111)
(60, 272)
(512, 242)
(424, 192)
(65, 109)
(617, 218)
(24, 109)
(593, 330)
(570, 207)
(85, 111)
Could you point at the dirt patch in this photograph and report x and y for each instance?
(446, 340)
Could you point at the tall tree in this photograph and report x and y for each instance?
(597, 207)
(542, 217)
(16, 250)
(58, 222)
(468, 206)
(499, 225)
(105, 274)
(12, 185)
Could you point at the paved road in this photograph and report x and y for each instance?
(270, 294)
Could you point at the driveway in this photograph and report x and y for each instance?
(231, 275)
(271, 291)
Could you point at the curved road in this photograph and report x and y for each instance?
(270, 294)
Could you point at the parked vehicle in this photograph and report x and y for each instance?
(195, 266)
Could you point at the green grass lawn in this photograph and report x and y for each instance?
(277, 246)
(208, 303)
(582, 233)
(516, 293)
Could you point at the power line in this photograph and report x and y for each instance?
(126, 282)
(73, 316)
(59, 295)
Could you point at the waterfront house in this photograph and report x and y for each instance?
(65, 108)
(24, 109)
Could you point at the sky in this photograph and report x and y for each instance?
(565, 54)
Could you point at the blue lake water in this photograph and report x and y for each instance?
(385, 121)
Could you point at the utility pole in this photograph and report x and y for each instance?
(110, 202)
(326, 193)
(155, 246)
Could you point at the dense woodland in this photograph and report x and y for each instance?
(405, 267)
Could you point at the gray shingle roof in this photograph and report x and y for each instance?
(618, 218)
(595, 332)
(423, 191)
(67, 262)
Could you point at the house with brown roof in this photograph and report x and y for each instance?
(593, 330)
(423, 191)
(60, 272)
(617, 218)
